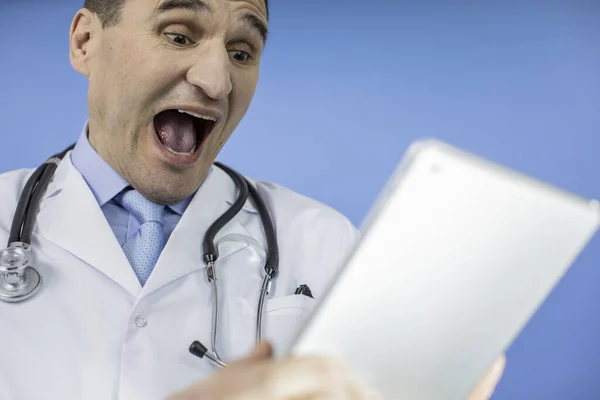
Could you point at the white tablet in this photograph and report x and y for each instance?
(457, 255)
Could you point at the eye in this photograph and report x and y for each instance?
(240, 55)
(178, 39)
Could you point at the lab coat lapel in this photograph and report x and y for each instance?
(183, 252)
(71, 218)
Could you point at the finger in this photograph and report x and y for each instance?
(358, 388)
(318, 378)
(486, 386)
(356, 392)
(262, 351)
(306, 378)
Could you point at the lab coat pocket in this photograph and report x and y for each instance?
(284, 317)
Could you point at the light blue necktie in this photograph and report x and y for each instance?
(144, 248)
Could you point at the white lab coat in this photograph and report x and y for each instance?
(93, 332)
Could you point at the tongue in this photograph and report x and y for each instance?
(176, 131)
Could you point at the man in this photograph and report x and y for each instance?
(118, 235)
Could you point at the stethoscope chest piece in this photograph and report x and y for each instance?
(18, 281)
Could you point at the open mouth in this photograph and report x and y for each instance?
(182, 132)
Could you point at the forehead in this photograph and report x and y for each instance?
(252, 14)
(211, 6)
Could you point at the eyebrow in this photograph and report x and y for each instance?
(256, 23)
(250, 20)
(192, 5)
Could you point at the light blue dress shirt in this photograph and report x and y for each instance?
(106, 183)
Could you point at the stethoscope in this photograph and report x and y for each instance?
(19, 281)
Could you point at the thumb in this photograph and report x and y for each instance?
(261, 351)
(487, 385)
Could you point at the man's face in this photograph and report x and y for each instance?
(168, 84)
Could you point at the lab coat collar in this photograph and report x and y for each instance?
(71, 218)
(230, 191)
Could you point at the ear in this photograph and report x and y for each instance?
(85, 30)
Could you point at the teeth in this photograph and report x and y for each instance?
(179, 153)
(193, 114)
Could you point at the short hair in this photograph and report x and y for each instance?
(109, 11)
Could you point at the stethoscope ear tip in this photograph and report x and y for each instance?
(198, 349)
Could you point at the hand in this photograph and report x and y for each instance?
(486, 386)
(260, 377)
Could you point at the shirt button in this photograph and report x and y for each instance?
(141, 321)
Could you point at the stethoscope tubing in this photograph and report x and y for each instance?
(28, 206)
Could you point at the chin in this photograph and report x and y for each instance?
(164, 195)
(163, 185)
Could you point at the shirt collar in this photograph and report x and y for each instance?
(104, 182)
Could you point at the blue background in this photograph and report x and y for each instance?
(347, 85)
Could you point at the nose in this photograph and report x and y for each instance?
(210, 71)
